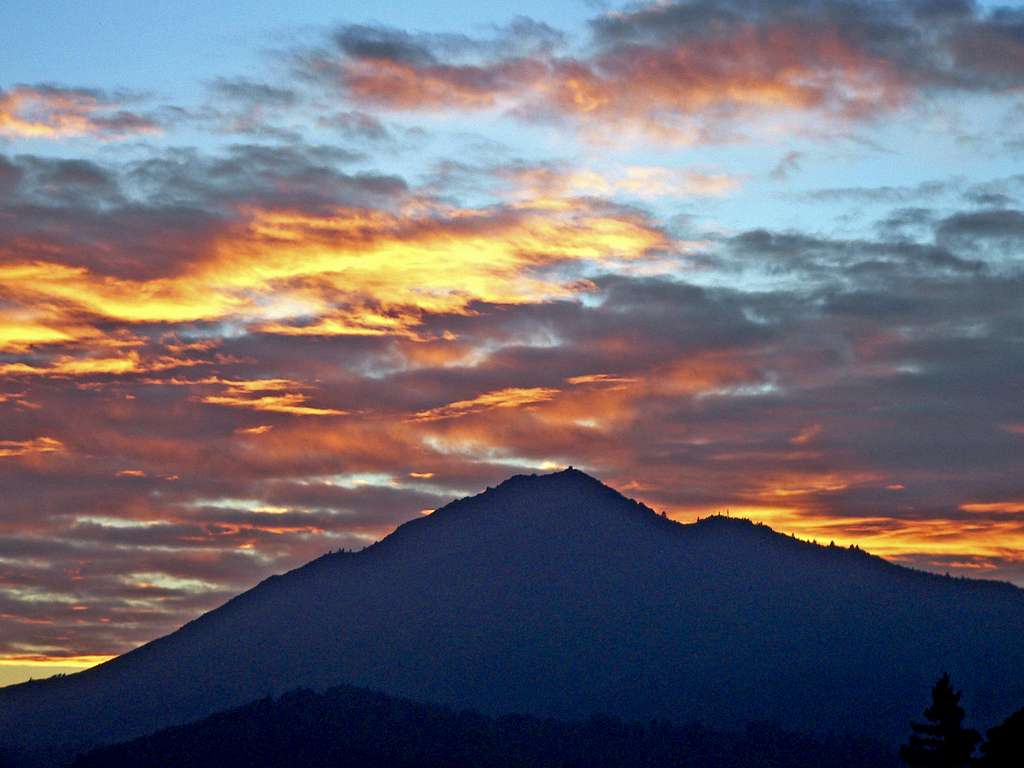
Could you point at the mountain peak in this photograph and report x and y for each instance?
(566, 493)
(566, 481)
(525, 510)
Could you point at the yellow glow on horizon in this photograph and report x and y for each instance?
(41, 660)
(22, 668)
(887, 537)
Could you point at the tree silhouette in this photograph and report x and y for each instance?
(942, 742)
(1005, 745)
(347, 727)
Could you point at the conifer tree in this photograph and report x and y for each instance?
(942, 742)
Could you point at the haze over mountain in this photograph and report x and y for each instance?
(555, 595)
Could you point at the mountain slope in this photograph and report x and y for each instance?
(556, 596)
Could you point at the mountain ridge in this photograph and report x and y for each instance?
(555, 595)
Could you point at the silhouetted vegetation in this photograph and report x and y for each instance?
(353, 727)
(347, 727)
(1005, 745)
(943, 742)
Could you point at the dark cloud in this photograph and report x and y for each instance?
(10, 175)
(942, 44)
(899, 220)
(788, 164)
(365, 42)
(171, 207)
(248, 91)
(927, 190)
(983, 225)
(291, 174)
(359, 125)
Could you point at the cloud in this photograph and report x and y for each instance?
(272, 395)
(51, 112)
(926, 190)
(689, 71)
(10, 448)
(638, 181)
(788, 164)
(357, 125)
(295, 264)
(241, 89)
(983, 225)
(510, 397)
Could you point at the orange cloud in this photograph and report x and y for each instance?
(671, 89)
(602, 378)
(58, 113)
(262, 429)
(1010, 506)
(776, 66)
(806, 435)
(405, 86)
(93, 362)
(510, 397)
(271, 395)
(24, 447)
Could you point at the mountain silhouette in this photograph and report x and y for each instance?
(556, 596)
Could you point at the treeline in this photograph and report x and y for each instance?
(349, 727)
(942, 741)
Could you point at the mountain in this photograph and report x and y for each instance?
(556, 596)
(353, 727)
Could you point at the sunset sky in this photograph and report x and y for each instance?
(276, 277)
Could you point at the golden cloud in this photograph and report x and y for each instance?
(351, 272)
(271, 395)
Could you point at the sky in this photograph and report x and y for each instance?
(277, 277)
